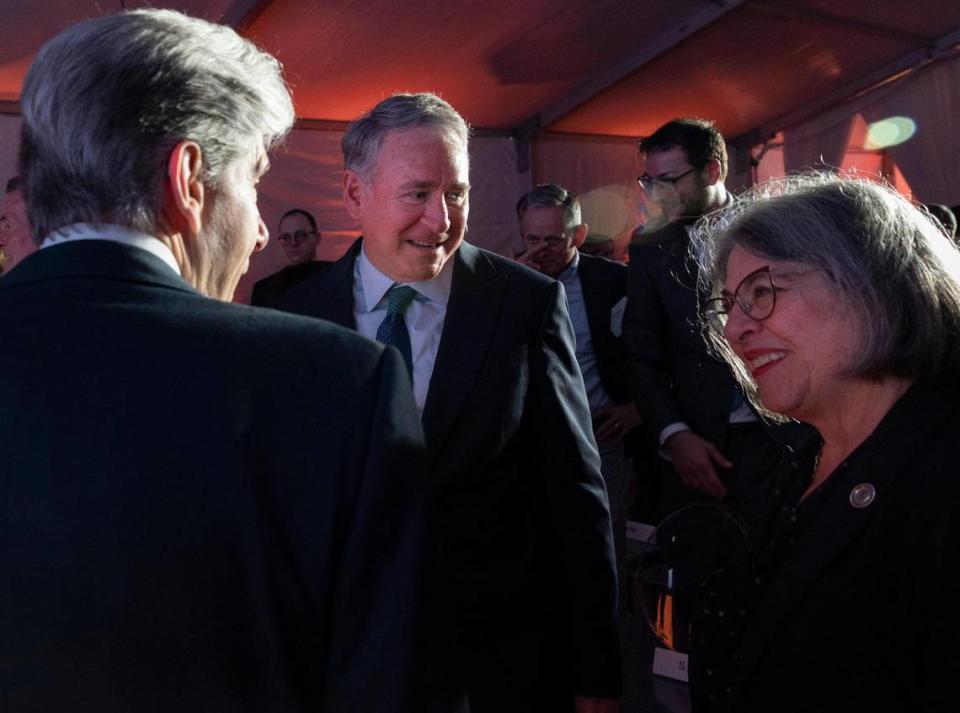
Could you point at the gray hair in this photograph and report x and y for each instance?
(106, 100)
(400, 112)
(549, 195)
(896, 270)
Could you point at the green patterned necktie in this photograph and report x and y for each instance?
(393, 330)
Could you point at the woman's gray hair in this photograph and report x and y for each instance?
(106, 100)
(400, 112)
(893, 266)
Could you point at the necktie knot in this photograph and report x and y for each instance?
(399, 298)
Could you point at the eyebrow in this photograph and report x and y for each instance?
(431, 185)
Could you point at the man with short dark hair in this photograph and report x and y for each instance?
(15, 240)
(523, 568)
(169, 542)
(299, 239)
(596, 288)
(716, 447)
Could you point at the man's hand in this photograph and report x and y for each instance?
(528, 258)
(693, 459)
(582, 704)
(612, 423)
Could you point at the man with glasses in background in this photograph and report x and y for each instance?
(299, 239)
(713, 444)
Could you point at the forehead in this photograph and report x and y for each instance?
(295, 222)
(542, 221)
(658, 163)
(740, 263)
(426, 153)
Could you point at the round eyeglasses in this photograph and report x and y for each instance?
(756, 295)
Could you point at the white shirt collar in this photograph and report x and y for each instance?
(115, 234)
(375, 284)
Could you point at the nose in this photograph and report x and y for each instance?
(436, 215)
(739, 326)
(263, 235)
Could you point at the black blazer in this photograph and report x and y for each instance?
(267, 291)
(673, 376)
(519, 507)
(604, 284)
(862, 615)
(204, 505)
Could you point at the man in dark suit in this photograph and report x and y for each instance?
(524, 561)
(714, 444)
(299, 239)
(596, 290)
(168, 542)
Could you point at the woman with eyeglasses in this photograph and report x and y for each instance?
(837, 303)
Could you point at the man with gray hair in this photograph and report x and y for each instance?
(168, 544)
(522, 568)
(553, 230)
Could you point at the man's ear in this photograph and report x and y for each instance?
(183, 189)
(580, 235)
(352, 193)
(712, 171)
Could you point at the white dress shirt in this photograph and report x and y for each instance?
(424, 317)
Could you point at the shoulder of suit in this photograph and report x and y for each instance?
(286, 334)
(511, 268)
(598, 262)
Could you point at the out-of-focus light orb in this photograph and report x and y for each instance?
(889, 132)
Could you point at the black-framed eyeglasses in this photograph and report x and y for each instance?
(648, 182)
(295, 237)
(756, 295)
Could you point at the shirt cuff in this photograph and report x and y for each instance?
(669, 431)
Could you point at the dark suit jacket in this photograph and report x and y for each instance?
(168, 541)
(862, 614)
(519, 508)
(267, 291)
(674, 377)
(604, 283)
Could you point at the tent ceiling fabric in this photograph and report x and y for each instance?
(606, 67)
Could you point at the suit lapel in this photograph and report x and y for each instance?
(598, 313)
(473, 311)
(328, 294)
(839, 524)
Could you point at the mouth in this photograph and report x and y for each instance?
(426, 244)
(759, 363)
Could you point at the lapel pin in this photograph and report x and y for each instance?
(862, 495)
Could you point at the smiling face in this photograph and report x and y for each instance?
(413, 205)
(799, 356)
